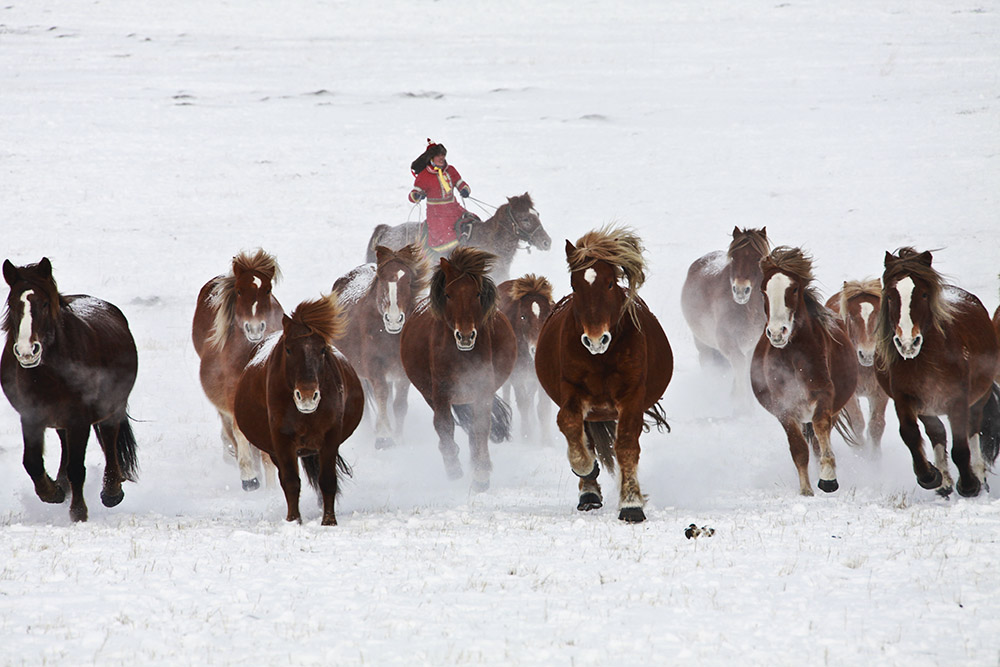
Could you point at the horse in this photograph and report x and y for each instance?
(458, 349)
(234, 312)
(511, 224)
(299, 397)
(804, 369)
(937, 354)
(526, 301)
(857, 305)
(377, 300)
(70, 364)
(724, 310)
(604, 359)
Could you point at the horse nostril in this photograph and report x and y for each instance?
(605, 339)
(586, 341)
(316, 395)
(298, 395)
(36, 348)
(918, 340)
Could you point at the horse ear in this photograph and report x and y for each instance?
(380, 254)
(736, 231)
(763, 231)
(285, 321)
(889, 258)
(925, 257)
(46, 266)
(570, 249)
(9, 272)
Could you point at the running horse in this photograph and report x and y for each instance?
(377, 300)
(69, 364)
(234, 312)
(458, 349)
(526, 301)
(299, 397)
(513, 223)
(804, 369)
(937, 355)
(603, 358)
(857, 305)
(723, 308)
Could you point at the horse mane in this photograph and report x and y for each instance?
(528, 285)
(323, 317)
(622, 248)
(854, 288)
(30, 274)
(222, 296)
(797, 263)
(412, 257)
(755, 239)
(466, 261)
(521, 203)
(908, 262)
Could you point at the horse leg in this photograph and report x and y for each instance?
(228, 438)
(928, 476)
(630, 498)
(962, 419)
(62, 477)
(524, 399)
(822, 423)
(582, 460)
(245, 460)
(34, 464)
(939, 443)
(328, 482)
(77, 436)
(288, 473)
(444, 425)
(270, 470)
(740, 393)
(876, 419)
(799, 448)
(543, 410)
(107, 435)
(400, 407)
(855, 416)
(479, 444)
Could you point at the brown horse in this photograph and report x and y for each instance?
(724, 309)
(512, 224)
(377, 300)
(299, 397)
(857, 305)
(69, 363)
(804, 369)
(937, 355)
(526, 301)
(603, 358)
(458, 350)
(233, 314)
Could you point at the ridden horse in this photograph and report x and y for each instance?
(724, 309)
(377, 299)
(603, 358)
(458, 350)
(857, 305)
(526, 301)
(515, 222)
(69, 364)
(299, 397)
(235, 312)
(804, 369)
(937, 354)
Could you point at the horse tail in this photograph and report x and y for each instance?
(374, 242)
(657, 418)
(499, 419)
(310, 464)
(847, 429)
(601, 437)
(126, 450)
(989, 429)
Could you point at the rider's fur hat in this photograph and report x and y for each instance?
(432, 151)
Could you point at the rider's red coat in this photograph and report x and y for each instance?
(443, 210)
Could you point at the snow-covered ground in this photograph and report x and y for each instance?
(144, 143)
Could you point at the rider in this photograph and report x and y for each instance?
(436, 181)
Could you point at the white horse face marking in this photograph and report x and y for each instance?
(780, 317)
(866, 348)
(907, 339)
(393, 317)
(28, 352)
(590, 275)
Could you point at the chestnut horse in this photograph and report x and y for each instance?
(458, 350)
(377, 300)
(526, 301)
(513, 223)
(724, 309)
(233, 314)
(804, 369)
(937, 355)
(857, 305)
(299, 397)
(69, 364)
(603, 358)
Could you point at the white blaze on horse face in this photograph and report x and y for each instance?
(393, 317)
(256, 283)
(590, 275)
(28, 354)
(536, 310)
(907, 339)
(866, 348)
(779, 322)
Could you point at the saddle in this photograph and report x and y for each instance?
(464, 226)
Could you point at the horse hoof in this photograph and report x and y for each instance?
(55, 496)
(970, 491)
(631, 515)
(329, 520)
(480, 486)
(251, 484)
(384, 443)
(110, 500)
(931, 480)
(78, 514)
(589, 501)
(944, 491)
(828, 485)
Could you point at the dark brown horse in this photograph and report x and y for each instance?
(603, 358)
(857, 305)
(377, 300)
(512, 224)
(937, 355)
(69, 364)
(458, 350)
(526, 301)
(724, 309)
(299, 397)
(235, 312)
(804, 369)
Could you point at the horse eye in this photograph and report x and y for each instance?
(611, 284)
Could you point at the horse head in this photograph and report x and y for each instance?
(745, 252)
(912, 302)
(526, 222)
(786, 285)
(400, 276)
(253, 301)
(33, 308)
(859, 307)
(530, 304)
(462, 296)
(307, 336)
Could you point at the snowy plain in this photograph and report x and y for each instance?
(143, 144)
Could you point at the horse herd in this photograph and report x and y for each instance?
(294, 386)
